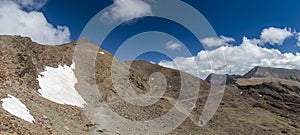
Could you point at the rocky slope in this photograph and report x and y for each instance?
(21, 61)
(249, 106)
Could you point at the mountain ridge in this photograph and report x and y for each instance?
(262, 72)
(269, 72)
(264, 107)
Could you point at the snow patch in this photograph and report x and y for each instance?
(58, 85)
(17, 108)
(73, 66)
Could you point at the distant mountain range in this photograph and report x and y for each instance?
(49, 81)
(268, 72)
(262, 72)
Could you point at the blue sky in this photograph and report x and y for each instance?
(237, 35)
(234, 18)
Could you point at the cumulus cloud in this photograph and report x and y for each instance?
(173, 45)
(31, 4)
(33, 24)
(123, 10)
(217, 41)
(239, 59)
(275, 36)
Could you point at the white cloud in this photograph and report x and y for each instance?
(239, 59)
(217, 41)
(15, 21)
(31, 4)
(275, 36)
(123, 10)
(172, 45)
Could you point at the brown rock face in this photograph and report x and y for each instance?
(249, 105)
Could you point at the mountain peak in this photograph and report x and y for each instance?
(83, 40)
(269, 72)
